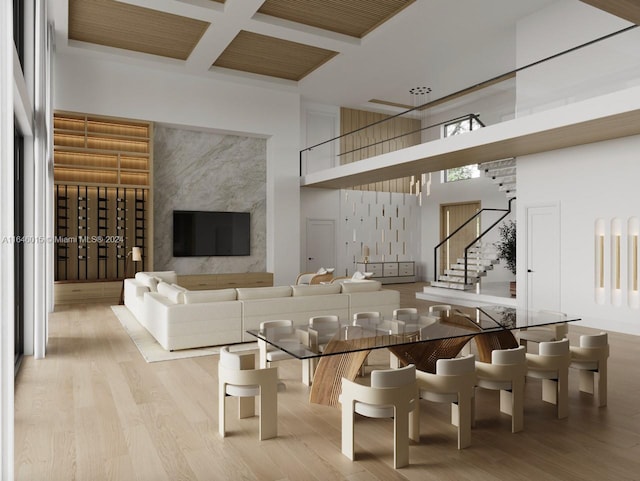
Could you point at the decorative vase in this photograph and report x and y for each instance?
(512, 288)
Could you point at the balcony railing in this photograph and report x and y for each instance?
(560, 79)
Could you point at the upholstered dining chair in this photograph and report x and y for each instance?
(237, 377)
(367, 319)
(540, 334)
(393, 394)
(590, 358)
(454, 383)
(551, 364)
(321, 330)
(278, 330)
(506, 372)
(440, 310)
(370, 320)
(284, 332)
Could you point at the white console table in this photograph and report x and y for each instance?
(390, 272)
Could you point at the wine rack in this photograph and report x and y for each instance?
(103, 193)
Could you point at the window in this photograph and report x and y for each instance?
(461, 126)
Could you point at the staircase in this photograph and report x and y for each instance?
(502, 173)
(481, 258)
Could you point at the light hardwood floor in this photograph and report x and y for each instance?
(95, 410)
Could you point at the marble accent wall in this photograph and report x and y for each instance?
(196, 170)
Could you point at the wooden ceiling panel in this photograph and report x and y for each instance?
(119, 25)
(264, 55)
(627, 9)
(355, 18)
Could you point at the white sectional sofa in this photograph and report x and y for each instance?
(182, 319)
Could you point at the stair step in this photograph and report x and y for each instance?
(502, 172)
(498, 163)
(451, 285)
(506, 179)
(471, 268)
(507, 187)
(488, 250)
(476, 261)
(459, 273)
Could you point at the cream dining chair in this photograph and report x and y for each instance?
(393, 394)
(551, 365)
(454, 382)
(237, 377)
(506, 372)
(590, 358)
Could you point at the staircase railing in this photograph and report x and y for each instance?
(506, 211)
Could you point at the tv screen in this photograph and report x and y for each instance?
(199, 233)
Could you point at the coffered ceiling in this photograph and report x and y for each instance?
(340, 52)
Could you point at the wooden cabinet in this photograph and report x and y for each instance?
(390, 272)
(87, 292)
(224, 281)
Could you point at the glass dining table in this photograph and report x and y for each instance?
(422, 341)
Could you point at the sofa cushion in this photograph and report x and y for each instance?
(360, 286)
(245, 293)
(316, 290)
(214, 295)
(148, 280)
(183, 289)
(170, 277)
(170, 292)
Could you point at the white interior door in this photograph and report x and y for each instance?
(321, 244)
(543, 257)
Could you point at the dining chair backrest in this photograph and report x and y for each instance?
(406, 314)
(317, 321)
(393, 377)
(366, 316)
(278, 328)
(509, 356)
(232, 360)
(554, 348)
(594, 340)
(456, 366)
(440, 309)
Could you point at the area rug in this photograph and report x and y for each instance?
(152, 351)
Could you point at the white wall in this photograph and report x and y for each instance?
(109, 88)
(607, 66)
(590, 182)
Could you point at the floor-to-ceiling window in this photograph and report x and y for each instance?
(18, 222)
(18, 211)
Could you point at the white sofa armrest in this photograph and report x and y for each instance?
(134, 297)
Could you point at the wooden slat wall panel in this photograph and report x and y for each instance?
(352, 119)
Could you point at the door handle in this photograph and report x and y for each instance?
(529, 270)
(310, 258)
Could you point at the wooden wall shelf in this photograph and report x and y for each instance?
(103, 202)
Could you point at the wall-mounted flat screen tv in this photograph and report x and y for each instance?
(200, 233)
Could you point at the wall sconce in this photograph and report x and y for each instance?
(599, 267)
(633, 276)
(616, 262)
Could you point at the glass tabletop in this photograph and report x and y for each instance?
(514, 318)
(306, 343)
